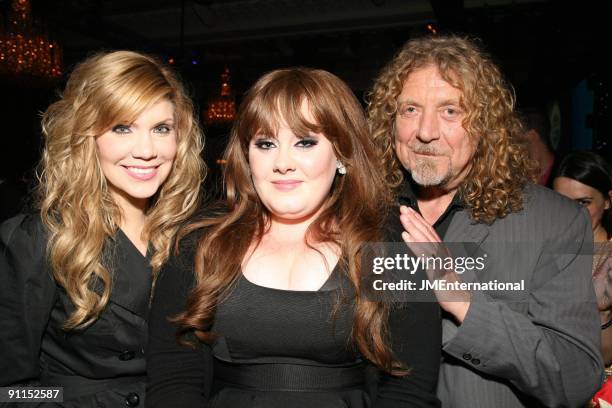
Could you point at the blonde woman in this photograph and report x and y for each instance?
(120, 171)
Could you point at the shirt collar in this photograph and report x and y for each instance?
(407, 195)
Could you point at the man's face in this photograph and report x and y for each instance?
(430, 140)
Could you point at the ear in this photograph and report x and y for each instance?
(608, 203)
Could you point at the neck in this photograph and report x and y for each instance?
(600, 234)
(433, 201)
(133, 217)
(290, 229)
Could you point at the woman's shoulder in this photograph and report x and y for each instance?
(23, 251)
(23, 229)
(189, 237)
(193, 231)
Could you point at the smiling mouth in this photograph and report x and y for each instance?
(141, 173)
(286, 185)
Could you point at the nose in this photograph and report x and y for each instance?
(428, 127)
(144, 146)
(283, 161)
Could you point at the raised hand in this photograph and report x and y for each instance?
(422, 239)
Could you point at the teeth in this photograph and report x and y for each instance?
(138, 170)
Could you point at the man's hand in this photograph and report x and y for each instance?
(422, 239)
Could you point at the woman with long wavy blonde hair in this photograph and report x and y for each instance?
(269, 286)
(120, 171)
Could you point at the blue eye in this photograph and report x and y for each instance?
(407, 110)
(307, 142)
(162, 129)
(451, 112)
(121, 129)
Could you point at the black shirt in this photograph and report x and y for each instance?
(261, 325)
(102, 365)
(408, 198)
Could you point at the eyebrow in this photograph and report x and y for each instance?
(260, 136)
(168, 120)
(444, 102)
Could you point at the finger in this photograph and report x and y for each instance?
(410, 242)
(418, 223)
(420, 220)
(417, 233)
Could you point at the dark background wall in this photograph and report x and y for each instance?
(553, 52)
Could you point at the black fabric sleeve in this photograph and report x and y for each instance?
(416, 340)
(27, 295)
(177, 375)
(415, 333)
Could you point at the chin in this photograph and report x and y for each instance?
(141, 194)
(291, 214)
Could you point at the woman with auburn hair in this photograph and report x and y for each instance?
(273, 312)
(120, 171)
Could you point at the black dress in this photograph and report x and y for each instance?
(266, 333)
(100, 366)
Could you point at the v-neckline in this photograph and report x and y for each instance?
(145, 256)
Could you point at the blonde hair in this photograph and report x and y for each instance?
(75, 203)
(501, 166)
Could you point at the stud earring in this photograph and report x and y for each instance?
(340, 167)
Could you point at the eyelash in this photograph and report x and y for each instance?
(166, 128)
(125, 129)
(410, 110)
(304, 143)
(121, 129)
(307, 143)
(264, 144)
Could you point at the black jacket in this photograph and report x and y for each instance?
(100, 366)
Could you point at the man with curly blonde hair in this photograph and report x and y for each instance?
(444, 120)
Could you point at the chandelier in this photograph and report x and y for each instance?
(223, 108)
(24, 50)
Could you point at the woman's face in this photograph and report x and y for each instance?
(585, 195)
(292, 174)
(137, 157)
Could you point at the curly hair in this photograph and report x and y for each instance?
(501, 166)
(353, 212)
(73, 195)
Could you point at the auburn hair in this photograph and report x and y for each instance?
(352, 214)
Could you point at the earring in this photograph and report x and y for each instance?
(340, 167)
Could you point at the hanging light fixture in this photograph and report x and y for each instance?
(223, 108)
(25, 51)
